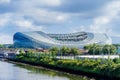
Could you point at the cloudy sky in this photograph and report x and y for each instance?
(59, 16)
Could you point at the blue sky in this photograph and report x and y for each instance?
(59, 16)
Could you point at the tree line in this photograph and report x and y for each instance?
(65, 51)
(96, 49)
(104, 67)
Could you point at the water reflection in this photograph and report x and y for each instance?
(12, 71)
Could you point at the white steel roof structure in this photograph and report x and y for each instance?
(39, 39)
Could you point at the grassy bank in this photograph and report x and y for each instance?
(100, 68)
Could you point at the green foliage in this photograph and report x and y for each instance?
(65, 50)
(2, 46)
(116, 60)
(109, 68)
(88, 47)
(74, 51)
(54, 51)
(69, 51)
(110, 49)
(100, 49)
(116, 45)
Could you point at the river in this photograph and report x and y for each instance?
(13, 71)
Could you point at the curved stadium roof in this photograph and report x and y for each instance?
(38, 39)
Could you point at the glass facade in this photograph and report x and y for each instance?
(38, 39)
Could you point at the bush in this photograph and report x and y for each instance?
(109, 68)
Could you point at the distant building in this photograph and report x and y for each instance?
(38, 39)
(11, 53)
(8, 45)
(2, 55)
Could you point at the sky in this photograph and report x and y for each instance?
(59, 16)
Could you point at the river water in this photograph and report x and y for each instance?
(12, 71)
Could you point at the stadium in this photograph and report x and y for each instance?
(39, 39)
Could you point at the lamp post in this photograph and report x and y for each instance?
(60, 54)
(94, 51)
(102, 52)
(108, 52)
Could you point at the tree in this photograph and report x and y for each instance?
(65, 50)
(116, 45)
(87, 47)
(113, 49)
(54, 51)
(74, 51)
(100, 49)
(109, 49)
(2, 46)
(93, 49)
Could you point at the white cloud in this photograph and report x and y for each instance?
(27, 15)
(103, 23)
(61, 17)
(45, 16)
(4, 19)
(3, 22)
(26, 25)
(18, 20)
(15, 23)
(5, 1)
(6, 39)
(110, 13)
(79, 29)
(51, 2)
(33, 10)
(38, 3)
(38, 10)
